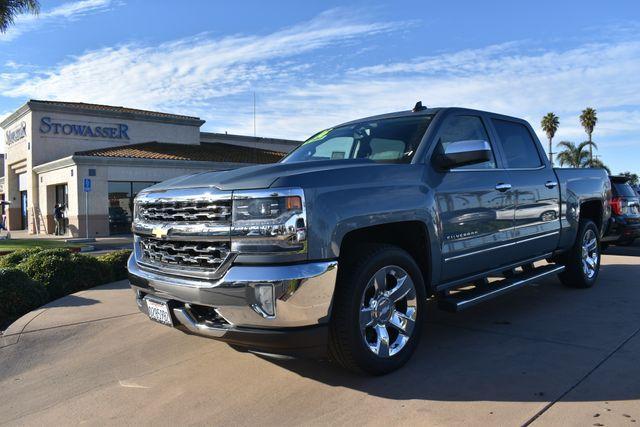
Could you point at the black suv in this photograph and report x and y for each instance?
(624, 225)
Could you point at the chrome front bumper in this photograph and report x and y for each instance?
(301, 296)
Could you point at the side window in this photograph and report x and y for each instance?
(465, 128)
(517, 144)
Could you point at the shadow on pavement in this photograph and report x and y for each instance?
(72, 301)
(527, 346)
(632, 250)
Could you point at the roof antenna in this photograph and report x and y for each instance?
(418, 107)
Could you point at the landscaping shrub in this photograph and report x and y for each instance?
(55, 269)
(16, 257)
(89, 272)
(18, 294)
(116, 263)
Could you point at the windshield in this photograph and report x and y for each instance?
(392, 140)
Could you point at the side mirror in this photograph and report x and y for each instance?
(463, 153)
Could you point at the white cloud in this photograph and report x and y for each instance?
(66, 12)
(188, 72)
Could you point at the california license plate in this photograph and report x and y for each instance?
(159, 311)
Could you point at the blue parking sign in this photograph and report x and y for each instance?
(87, 185)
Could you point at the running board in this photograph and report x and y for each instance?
(462, 300)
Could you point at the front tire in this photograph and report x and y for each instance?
(378, 310)
(582, 262)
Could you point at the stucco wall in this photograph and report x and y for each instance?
(51, 146)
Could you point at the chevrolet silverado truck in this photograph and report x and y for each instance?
(337, 248)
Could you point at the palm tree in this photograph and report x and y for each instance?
(588, 120)
(550, 124)
(597, 163)
(9, 9)
(575, 156)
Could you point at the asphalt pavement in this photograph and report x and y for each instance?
(545, 355)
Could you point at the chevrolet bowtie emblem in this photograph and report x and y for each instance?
(160, 232)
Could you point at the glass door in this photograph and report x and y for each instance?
(23, 210)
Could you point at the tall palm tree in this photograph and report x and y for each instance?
(9, 9)
(588, 120)
(575, 156)
(550, 123)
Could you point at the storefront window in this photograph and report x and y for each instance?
(121, 195)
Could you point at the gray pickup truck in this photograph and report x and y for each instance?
(337, 249)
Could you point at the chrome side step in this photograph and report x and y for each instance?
(462, 300)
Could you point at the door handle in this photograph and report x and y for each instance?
(503, 187)
(551, 184)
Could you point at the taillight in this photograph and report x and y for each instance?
(616, 205)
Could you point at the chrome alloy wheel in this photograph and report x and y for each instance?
(388, 311)
(590, 254)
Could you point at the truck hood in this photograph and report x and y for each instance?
(256, 177)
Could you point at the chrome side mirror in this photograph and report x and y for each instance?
(463, 153)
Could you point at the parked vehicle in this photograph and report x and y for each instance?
(336, 248)
(624, 224)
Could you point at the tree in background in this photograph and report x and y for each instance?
(10, 9)
(577, 156)
(633, 178)
(597, 163)
(572, 155)
(550, 123)
(588, 120)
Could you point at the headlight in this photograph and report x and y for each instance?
(136, 210)
(269, 222)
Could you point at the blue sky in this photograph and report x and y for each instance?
(315, 64)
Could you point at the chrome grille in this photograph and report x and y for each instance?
(186, 211)
(206, 255)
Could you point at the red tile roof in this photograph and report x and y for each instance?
(218, 152)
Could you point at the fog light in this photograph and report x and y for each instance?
(265, 300)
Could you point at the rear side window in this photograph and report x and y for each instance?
(517, 144)
(623, 189)
(465, 128)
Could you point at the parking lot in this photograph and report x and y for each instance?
(545, 354)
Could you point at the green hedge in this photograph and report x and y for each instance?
(55, 269)
(116, 263)
(31, 277)
(16, 257)
(18, 294)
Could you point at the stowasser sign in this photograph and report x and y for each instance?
(116, 131)
(16, 134)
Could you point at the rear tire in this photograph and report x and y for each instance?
(378, 310)
(582, 262)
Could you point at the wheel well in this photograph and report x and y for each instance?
(412, 236)
(592, 210)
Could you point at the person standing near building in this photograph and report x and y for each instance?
(57, 218)
(63, 221)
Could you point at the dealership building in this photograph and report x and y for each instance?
(94, 159)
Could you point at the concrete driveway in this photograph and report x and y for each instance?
(543, 355)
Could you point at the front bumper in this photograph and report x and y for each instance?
(301, 294)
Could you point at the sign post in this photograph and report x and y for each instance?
(87, 189)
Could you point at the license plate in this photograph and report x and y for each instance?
(159, 311)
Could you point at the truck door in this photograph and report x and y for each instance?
(475, 205)
(535, 188)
